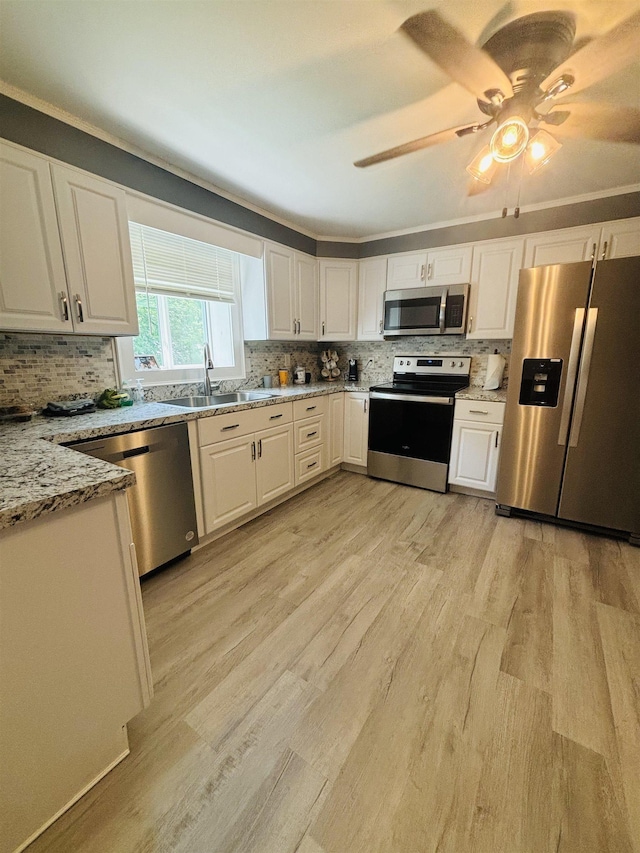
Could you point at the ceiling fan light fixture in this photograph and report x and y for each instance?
(509, 140)
(483, 166)
(541, 148)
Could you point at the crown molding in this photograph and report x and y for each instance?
(49, 109)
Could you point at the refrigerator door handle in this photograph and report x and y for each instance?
(583, 378)
(572, 369)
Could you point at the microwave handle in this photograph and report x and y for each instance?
(443, 308)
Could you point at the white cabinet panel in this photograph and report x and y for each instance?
(338, 300)
(308, 465)
(449, 266)
(356, 427)
(228, 480)
(93, 223)
(33, 284)
(494, 288)
(565, 246)
(274, 471)
(279, 271)
(372, 283)
(309, 433)
(474, 455)
(404, 271)
(336, 429)
(620, 239)
(306, 310)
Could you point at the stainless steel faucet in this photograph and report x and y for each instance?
(208, 365)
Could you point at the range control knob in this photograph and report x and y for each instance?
(402, 362)
(408, 362)
(461, 364)
(453, 364)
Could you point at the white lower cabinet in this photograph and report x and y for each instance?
(336, 429)
(475, 445)
(356, 427)
(243, 473)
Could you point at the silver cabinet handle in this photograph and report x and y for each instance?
(275, 417)
(365, 406)
(253, 451)
(572, 366)
(323, 327)
(422, 272)
(443, 309)
(497, 435)
(593, 252)
(79, 308)
(259, 448)
(478, 412)
(312, 464)
(380, 328)
(233, 426)
(64, 303)
(604, 251)
(429, 270)
(583, 377)
(310, 408)
(470, 326)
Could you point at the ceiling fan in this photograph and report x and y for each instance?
(516, 77)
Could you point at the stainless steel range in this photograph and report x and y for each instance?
(411, 420)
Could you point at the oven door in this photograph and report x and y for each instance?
(410, 439)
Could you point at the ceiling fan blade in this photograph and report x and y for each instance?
(468, 65)
(410, 147)
(592, 120)
(601, 57)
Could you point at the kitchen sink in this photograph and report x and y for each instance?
(216, 400)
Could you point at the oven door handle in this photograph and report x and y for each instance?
(443, 309)
(412, 398)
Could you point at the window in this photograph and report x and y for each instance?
(187, 293)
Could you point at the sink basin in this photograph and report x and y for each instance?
(216, 400)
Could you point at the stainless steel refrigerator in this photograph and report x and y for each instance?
(571, 440)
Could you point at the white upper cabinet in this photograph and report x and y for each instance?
(620, 239)
(450, 265)
(65, 253)
(279, 270)
(33, 285)
(338, 300)
(494, 288)
(372, 283)
(565, 246)
(92, 215)
(306, 297)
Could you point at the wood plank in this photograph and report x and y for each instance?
(615, 571)
(620, 632)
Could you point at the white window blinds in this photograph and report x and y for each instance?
(170, 264)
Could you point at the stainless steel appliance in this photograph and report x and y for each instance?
(571, 441)
(161, 504)
(426, 310)
(411, 420)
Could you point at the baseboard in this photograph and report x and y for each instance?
(74, 799)
(474, 493)
(355, 469)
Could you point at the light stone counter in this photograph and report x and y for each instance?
(477, 393)
(37, 476)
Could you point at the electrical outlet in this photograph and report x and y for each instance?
(287, 360)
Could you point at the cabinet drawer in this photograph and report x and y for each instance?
(309, 407)
(308, 465)
(233, 424)
(479, 410)
(309, 433)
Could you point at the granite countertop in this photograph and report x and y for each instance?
(38, 476)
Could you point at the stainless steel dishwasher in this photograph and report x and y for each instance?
(161, 504)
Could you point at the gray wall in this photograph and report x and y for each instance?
(40, 132)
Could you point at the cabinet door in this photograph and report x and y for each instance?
(494, 289)
(336, 429)
(449, 266)
(338, 300)
(405, 271)
(620, 239)
(372, 283)
(306, 312)
(33, 285)
(474, 455)
(92, 215)
(280, 292)
(274, 471)
(356, 427)
(566, 246)
(228, 475)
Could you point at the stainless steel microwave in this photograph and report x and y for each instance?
(426, 310)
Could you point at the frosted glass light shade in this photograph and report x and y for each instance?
(509, 140)
(541, 148)
(483, 166)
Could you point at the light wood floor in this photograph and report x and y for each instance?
(378, 669)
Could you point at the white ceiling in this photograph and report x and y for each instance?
(273, 100)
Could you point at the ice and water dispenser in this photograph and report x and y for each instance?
(540, 384)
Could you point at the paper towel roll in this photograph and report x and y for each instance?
(495, 369)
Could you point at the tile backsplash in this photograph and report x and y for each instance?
(35, 369)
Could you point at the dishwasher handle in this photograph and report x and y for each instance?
(135, 451)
